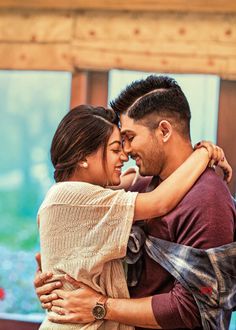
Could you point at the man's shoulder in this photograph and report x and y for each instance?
(204, 212)
(208, 198)
(208, 188)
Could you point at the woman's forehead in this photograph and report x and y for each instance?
(115, 136)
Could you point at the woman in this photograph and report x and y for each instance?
(84, 227)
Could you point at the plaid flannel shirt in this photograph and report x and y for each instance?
(210, 275)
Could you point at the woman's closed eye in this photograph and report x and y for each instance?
(117, 150)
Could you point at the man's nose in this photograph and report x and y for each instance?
(124, 156)
(126, 148)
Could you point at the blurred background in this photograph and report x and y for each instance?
(54, 56)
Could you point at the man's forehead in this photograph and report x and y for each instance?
(124, 118)
(129, 125)
(126, 123)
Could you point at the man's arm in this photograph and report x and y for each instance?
(76, 307)
(136, 312)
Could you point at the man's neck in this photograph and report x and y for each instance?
(177, 154)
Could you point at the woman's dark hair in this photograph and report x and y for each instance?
(80, 133)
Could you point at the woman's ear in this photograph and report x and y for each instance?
(166, 130)
(83, 163)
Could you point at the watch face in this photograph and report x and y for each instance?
(99, 312)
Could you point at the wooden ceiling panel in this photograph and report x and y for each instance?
(35, 27)
(178, 42)
(218, 6)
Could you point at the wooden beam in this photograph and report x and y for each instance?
(89, 87)
(35, 27)
(147, 27)
(98, 88)
(24, 56)
(226, 125)
(167, 42)
(106, 60)
(103, 40)
(219, 6)
(79, 88)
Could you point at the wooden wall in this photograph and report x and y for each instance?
(226, 136)
(174, 36)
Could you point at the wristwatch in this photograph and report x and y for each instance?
(99, 310)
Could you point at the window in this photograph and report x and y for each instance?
(32, 104)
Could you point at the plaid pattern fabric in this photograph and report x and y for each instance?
(210, 275)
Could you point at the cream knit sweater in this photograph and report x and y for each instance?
(84, 230)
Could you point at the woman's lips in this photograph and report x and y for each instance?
(118, 169)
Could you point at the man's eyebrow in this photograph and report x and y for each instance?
(126, 131)
(113, 142)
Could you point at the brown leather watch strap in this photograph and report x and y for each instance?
(102, 300)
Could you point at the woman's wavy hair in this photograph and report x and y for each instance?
(80, 133)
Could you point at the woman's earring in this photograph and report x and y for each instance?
(85, 164)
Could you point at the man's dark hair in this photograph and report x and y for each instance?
(153, 99)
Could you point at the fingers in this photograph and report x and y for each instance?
(58, 303)
(217, 158)
(58, 310)
(47, 306)
(72, 281)
(217, 155)
(227, 176)
(47, 288)
(48, 297)
(213, 151)
(40, 278)
(55, 278)
(38, 260)
(227, 170)
(207, 145)
(62, 293)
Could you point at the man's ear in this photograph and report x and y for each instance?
(166, 130)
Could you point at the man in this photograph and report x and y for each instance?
(155, 124)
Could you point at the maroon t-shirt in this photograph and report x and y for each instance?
(205, 218)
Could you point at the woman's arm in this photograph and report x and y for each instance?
(170, 192)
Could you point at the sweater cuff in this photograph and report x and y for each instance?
(166, 313)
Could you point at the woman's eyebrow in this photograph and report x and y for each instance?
(113, 142)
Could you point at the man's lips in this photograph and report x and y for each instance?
(137, 159)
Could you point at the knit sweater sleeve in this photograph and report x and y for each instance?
(84, 224)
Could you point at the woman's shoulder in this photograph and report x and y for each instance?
(69, 193)
(70, 188)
